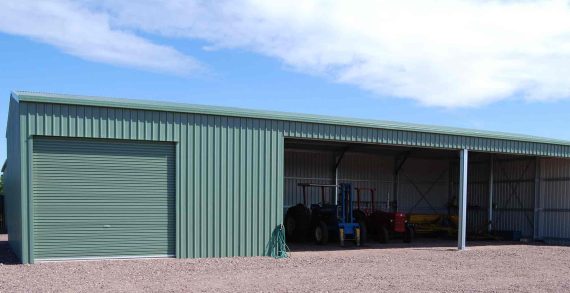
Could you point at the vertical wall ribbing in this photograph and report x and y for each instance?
(227, 169)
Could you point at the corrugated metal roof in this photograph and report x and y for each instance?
(27, 96)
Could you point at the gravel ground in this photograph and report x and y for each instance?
(425, 266)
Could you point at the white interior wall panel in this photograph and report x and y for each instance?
(361, 170)
(554, 203)
(306, 167)
(514, 189)
(477, 193)
(427, 177)
(369, 171)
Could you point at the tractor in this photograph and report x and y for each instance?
(298, 220)
(298, 217)
(380, 224)
(325, 220)
(348, 227)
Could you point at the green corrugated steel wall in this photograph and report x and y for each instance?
(12, 181)
(103, 198)
(229, 170)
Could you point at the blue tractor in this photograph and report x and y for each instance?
(325, 220)
(336, 219)
(348, 226)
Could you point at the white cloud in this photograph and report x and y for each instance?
(449, 53)
(85, 33)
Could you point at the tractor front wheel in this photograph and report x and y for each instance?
(321, 233)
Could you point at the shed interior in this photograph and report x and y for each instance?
(503, 191)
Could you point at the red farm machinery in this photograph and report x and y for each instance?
(382, 225)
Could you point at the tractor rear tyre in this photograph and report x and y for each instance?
(297, 223)
(321, 233)
(409, 235)
(383, 235)
(290, 226)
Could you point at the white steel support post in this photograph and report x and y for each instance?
(462, 225)
(336, 165)
(491, 187)
(336, 185)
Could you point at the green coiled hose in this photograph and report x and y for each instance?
(277, 245)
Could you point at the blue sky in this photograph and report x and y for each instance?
(292, 74)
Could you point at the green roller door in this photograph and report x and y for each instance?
(102, 198)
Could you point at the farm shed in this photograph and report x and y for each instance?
(90, 177)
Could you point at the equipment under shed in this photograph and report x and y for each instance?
(90, 177)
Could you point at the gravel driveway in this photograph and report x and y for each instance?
(427, 266)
